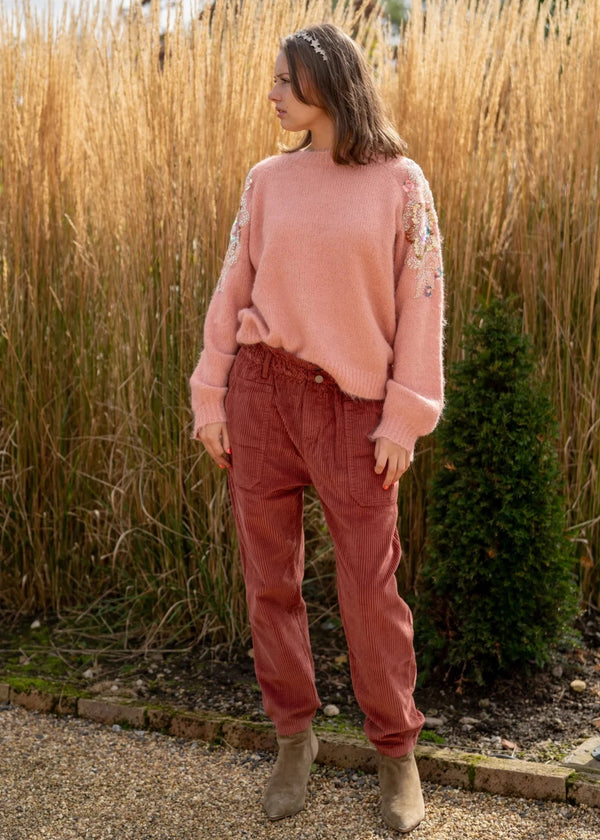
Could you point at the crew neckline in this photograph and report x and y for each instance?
(316, 155)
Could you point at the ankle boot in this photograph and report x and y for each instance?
(402, 803)
(286, 790)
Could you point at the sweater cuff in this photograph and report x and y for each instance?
(208, 385)
(400, 436)
(208, 405)
(407, 416)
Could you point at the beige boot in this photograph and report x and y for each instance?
(402, 803)
(286, 790)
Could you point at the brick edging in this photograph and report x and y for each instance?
(443, 766)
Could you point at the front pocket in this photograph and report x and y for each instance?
(361, 418)
(248, 407)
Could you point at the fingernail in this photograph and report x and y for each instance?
(221, 467)
(386, 487)
(229, 451)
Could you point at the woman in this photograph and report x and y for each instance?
(322, 366)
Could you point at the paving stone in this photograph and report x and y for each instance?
(584, 789)
(105, 712)
(346, 751)
(35, 701)
(511, 777)
(581, 757)
(445, 767)
(159, 719)
(243, 735)
(66, 705)
(202, 727)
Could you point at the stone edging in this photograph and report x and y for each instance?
(506, 777)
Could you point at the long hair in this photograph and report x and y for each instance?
(327, 69)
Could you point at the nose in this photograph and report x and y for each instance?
(272, 95)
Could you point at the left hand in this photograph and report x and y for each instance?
(393, 456)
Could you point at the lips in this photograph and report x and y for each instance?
(279, 112)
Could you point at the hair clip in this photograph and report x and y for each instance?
(312, 41)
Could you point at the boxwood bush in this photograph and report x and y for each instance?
(497, 590)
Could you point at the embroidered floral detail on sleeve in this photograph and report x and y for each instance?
(241, 220)
(421, 228)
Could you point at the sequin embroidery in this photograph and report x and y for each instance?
(421, 228)
(241, 220)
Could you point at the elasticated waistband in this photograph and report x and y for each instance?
(284, 363)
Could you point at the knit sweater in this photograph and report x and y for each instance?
(340, 266)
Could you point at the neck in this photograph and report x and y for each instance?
(322, 137)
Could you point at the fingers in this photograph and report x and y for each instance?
(381, 457)
(396, 468)
(215, 439)
(391, 458)
(225, 440)
(393, 472)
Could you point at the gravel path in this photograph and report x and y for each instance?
(71, 779)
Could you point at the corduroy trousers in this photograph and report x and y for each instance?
(291, 426)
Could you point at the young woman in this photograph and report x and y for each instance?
(322, 365)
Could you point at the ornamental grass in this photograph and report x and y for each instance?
(122, 159)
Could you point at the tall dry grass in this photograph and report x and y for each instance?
(500, 105)
(118, 184)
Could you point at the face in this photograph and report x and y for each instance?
(293, 114)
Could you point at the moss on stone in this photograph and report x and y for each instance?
(430, 737)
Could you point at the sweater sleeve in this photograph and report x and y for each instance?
(415, 390)
(208, 382)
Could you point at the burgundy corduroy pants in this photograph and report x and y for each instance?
(291, 426)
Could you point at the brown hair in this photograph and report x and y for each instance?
(337, 78)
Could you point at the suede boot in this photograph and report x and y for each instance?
(286, 790)
(402, 803)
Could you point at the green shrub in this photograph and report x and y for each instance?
(497, 590)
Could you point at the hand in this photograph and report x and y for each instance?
(215, 438)
(392, 455)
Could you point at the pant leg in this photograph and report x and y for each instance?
(362, 519)
(287, 433)
(266, 485)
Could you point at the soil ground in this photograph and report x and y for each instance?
(537, 717)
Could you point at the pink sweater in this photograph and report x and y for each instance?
(341, 266)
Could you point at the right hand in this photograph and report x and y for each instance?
(215, 438)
